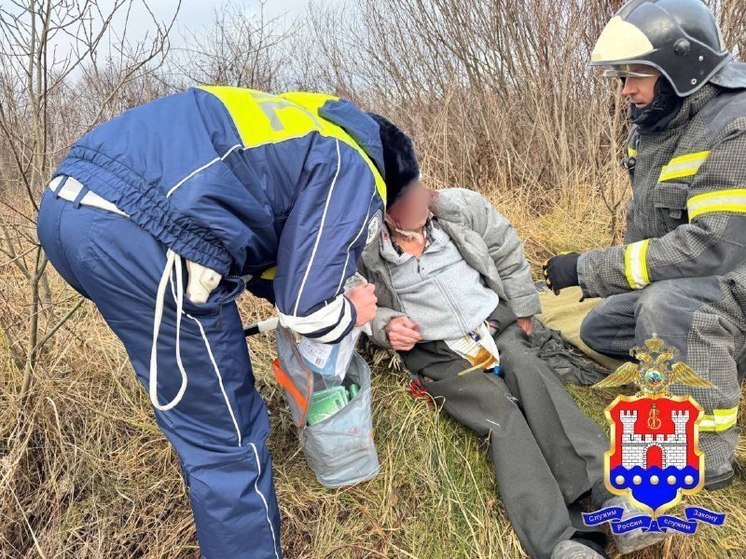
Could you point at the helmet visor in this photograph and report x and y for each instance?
(630, 71)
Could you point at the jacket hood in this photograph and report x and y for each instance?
(731, 76)
(361, 127)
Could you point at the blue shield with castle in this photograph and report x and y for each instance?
(654, 454)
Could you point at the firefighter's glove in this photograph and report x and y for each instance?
(561, 271)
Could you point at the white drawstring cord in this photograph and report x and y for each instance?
(173, 260)
(214, 363)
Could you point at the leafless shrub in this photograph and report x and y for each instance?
(239, 47)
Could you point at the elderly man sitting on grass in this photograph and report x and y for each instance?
(455, 300)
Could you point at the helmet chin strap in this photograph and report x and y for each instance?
(664, 108)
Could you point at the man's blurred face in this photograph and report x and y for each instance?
(640, 89)
(410, 212)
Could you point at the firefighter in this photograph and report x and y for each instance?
(681, 272)
(165, 214)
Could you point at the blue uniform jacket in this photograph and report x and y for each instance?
(285, 189)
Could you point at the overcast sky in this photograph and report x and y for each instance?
(195, 14)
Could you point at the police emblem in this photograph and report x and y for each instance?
(654, 457)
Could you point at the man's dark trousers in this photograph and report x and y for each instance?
(546, 452)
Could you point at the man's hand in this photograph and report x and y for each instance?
(364, 299)
(561, 271)
(403, 333)
(526, 325)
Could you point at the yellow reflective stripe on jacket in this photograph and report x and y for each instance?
(720, 420)
(269, 273)
(683, 166)
(720, 201)
(262, 118)
(636, 265)
(632, 152)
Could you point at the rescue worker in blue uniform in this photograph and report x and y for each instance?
(165, 214)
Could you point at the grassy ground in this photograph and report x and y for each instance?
(86, 474)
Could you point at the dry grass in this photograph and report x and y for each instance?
(86, 473)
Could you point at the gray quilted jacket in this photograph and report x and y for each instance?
(487, 242)
(687, 217)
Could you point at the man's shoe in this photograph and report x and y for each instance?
(719, 477)
(569, 549)
(636, 539)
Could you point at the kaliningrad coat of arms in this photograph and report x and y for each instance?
(654, 457)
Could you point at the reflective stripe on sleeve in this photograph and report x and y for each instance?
(635, 264)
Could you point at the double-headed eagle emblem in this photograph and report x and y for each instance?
(655, 373)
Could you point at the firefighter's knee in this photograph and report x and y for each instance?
(659, 301)
(593, 331)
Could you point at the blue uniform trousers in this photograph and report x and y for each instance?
(209, 408)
